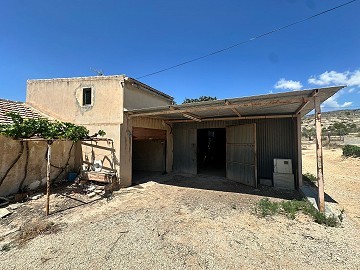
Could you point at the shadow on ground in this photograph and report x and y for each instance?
(216, 183)
(313, 192)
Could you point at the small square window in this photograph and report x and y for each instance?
(86, 96)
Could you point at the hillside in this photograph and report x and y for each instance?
(346, 117)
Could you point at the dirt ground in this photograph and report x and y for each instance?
(188, 222)
(341, 177)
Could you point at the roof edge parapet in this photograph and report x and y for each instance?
(109, 77)
(149, 88)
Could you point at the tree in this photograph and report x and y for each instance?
(200, 99)
(308, 133)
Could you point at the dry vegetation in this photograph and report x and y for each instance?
(35, 228)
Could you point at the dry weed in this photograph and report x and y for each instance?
(33, 229)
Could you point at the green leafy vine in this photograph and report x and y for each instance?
(43, 128)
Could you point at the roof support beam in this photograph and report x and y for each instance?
(319, 156)
(231, 118)
(192, 116)
(302, 106)
(233, 108)
(306, 101)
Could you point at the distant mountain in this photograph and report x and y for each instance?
(346, 117)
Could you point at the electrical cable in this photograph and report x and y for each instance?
(248, 40)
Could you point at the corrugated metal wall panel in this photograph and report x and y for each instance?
(240, 154)
(185, 149)
(275, 138)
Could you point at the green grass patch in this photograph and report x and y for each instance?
(310, 177)
(265, 207)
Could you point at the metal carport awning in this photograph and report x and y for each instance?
(281, 105)
(287, 104)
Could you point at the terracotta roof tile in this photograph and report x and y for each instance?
(15, 106)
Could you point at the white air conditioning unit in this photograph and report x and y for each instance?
(283, 176)
(282, 165)
(284, 180)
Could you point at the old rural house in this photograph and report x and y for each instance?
(101, 102)
(238, 138)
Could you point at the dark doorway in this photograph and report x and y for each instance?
(211, 151)
(148, 154)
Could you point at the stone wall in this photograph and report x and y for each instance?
(351, 140)
(23, 164)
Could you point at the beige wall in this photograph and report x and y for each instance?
(33, 162)
(136, 97)
(62, 99)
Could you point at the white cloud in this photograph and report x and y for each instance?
(346, 104)
(349, 78)
(288, 84)
(351, 90)
(333, 103)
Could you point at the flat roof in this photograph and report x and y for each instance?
(280, 104)
(106, 77)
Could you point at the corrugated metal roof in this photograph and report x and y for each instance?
(21, 108)
(287, 103)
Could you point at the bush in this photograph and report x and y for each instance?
(6, 247)
(351, 151)
(290, 208)
(267, 208)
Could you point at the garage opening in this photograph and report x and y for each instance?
(148, 153)
(211, 151)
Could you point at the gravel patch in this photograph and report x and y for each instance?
(160, 225)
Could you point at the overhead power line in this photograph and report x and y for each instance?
(248, 40)
(339, 107)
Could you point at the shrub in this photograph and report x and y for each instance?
(267, 208)
(351, 151)
(6, 247)
(290, 208)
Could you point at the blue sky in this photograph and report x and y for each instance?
(49, 39)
